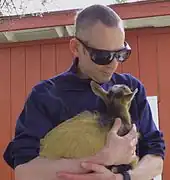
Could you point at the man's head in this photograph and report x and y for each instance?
(99, 32)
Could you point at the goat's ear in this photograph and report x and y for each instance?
(129, 97)
(99, 91)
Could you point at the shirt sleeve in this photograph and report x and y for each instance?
(151, 140)
(33, 123)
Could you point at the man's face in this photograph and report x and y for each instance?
(99, 37)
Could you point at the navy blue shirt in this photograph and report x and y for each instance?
(61, 97)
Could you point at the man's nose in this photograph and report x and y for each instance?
(112, 63)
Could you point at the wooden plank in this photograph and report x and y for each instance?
(147, 49)
(5, 114)
(164, 93)
(48, 61)
(63, 57)
(32, 66)
(17, 83)
(131, 65)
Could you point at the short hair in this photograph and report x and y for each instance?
(90, 15)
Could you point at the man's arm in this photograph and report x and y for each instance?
(151, 144)
(150, 166)
(38, 117)
(101, 173)
(44, 169)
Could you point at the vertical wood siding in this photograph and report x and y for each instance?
(23, 65)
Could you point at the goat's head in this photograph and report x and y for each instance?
(118, 95)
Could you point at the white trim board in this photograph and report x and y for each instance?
(153, 101)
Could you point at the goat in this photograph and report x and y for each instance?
(85, 134)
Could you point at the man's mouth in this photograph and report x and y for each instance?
(107, 73)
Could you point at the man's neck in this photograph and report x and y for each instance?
(80, 74)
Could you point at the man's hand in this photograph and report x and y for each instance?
(99, 173)
(118, 150)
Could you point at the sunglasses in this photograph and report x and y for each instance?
(104, 57)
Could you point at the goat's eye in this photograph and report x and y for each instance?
(110, 94)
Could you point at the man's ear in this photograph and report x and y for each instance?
(73, 45)
(99, 91)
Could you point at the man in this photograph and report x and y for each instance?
(98, 46)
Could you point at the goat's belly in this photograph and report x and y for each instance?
(78, 137)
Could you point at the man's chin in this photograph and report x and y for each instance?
(104, 80)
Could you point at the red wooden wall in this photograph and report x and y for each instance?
(22, 65)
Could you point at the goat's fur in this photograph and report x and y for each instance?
(85, 134)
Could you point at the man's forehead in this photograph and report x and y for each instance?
(103, 37)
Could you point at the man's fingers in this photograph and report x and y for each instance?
(116, 125)
(132, 134)
(93, 167)
(72, 176)
(134, 141)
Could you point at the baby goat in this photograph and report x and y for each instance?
(85, 134)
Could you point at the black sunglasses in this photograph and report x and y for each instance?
(104, 57)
